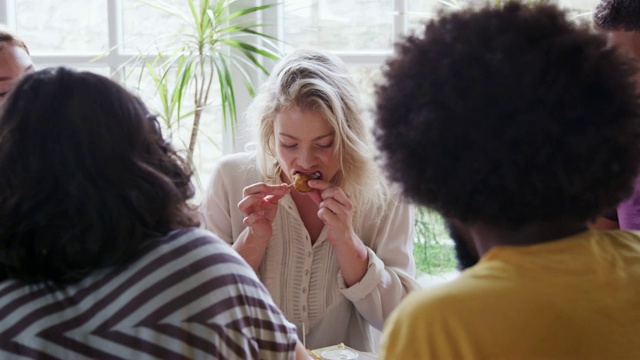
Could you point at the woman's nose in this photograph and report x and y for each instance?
(307, 158)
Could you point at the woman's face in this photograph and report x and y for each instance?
(14, 63)
(305, 142)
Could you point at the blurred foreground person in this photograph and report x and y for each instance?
(14, 62)
(621, 20)
(100, 256)
(518, 126)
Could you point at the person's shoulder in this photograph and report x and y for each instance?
(392, 201)
(242, 156)
(392, 193)
(237, 160)
(186, 235)
(452, 296)
(430, 300)
(191, 251)
(197, 243)
(237, 169)
(198, 234)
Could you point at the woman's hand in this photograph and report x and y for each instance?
(336, 211)
(259, 206)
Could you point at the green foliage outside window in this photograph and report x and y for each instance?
(432, 248)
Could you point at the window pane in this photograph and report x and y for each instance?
(339, 24)
(145, 25)
(209, 144)
(422, 10)
(98, 69)
(63, 26)
(581, 8)
(365, 78)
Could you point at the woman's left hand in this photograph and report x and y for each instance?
(336, 211)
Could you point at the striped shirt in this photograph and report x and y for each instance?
(190, 297)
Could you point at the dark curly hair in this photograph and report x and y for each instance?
(510, 116)
(87, 180)
(617, 15)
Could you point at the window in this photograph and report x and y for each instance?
(80, 33)
(85, 34)
(363, 32)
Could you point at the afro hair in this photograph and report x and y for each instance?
(509, 116)
(618, 15)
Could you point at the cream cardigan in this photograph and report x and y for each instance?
(303, 279)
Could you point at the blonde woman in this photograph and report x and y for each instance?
(337, 259)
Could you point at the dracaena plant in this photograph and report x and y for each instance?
(216, 40)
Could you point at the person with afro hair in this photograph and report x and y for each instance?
(519, 126)
(621, 20)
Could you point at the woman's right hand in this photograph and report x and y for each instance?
(259, 207)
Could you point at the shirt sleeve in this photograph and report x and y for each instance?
(219, 208)
(391, 270)
(214, 210)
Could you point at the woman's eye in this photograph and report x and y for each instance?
(287, 146)
(326, 146)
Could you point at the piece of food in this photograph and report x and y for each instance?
(313, 355)
(301, 181)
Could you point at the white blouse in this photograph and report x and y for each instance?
(304, 279)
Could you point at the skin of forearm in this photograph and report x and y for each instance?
(353, 259)
(251, 249)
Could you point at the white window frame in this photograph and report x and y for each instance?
(116, 58)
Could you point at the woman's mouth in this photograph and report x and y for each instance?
(312, 175)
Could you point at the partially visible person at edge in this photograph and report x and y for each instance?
(14, 62)
(518, 126)
(621, 20)
(100, 254)
(339, 258)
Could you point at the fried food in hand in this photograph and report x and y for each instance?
(301, 181)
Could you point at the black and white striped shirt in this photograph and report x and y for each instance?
(189, 297)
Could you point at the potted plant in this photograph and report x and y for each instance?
(216, 41)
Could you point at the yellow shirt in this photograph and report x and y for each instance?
(574, 298)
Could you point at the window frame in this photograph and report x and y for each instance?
(116, 58)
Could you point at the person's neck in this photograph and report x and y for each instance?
(486, 236)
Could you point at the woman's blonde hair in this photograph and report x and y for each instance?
(8, 38)
(315, 80)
